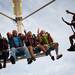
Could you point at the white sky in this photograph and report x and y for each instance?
(48, 19)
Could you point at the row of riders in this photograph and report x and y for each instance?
(29, 44)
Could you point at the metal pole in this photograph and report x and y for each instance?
(17, 7)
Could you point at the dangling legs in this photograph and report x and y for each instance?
(55, 46)
(27, 53)
(12, 55)
(42, 48)
(4, 59)
(71, 39)
(0, 66)
(30, 48)
(47, 47)
(0, 62)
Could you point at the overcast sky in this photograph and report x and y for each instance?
(48, 19)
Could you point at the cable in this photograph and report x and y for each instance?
(38, 9)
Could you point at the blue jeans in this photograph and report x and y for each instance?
(20, 50)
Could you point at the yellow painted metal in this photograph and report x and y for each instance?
(17, 7)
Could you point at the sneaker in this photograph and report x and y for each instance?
(47, 53)
(29, 60)
(0, 66)
(59, 56)
(12, 59)
(34, 59)
(52, 57)
(72, 48)
(4, 66)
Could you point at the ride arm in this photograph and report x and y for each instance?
(70, 24)
(68, 12)
(7, 16)
(39, 9)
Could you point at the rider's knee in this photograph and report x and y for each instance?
(56, 44)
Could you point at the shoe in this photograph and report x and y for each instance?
(34, 59)
(47, 53)
(59, 56)
(72, 48)
(4, 66)
(52, 57)
(29, 60)
(0, 66)
(12, 59)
